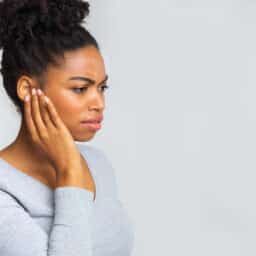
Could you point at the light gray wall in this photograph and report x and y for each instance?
(180, 121)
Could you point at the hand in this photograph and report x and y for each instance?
(50, 133)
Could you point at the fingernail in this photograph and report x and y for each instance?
(46, 99)
(33, 91)
(39, 91)
(27, 98)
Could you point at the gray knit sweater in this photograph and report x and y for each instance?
(38, 221)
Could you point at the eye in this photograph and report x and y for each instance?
(79, 90)
(104, 87)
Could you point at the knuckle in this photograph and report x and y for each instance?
(54, 131)
(44, 136)
(34, 138)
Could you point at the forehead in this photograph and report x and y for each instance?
(81, 62)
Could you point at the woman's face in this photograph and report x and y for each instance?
(75, 105)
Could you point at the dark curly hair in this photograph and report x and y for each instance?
(36, 33)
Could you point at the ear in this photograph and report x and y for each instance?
(24, 86)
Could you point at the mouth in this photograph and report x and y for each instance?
(98, 119)
(92, 125)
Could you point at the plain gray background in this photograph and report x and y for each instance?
(180, 121)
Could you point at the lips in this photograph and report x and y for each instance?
(91, 125)
(93, 120)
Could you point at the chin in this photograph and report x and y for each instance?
(81, 135)
(84, 137)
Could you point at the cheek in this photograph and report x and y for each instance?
(69, 107)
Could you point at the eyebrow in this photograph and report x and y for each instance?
(87, 79)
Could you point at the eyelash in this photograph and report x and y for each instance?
(84, 89)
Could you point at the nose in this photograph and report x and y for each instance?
(97, 103)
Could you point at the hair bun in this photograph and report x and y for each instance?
(22, 18)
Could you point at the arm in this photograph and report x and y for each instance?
(20, 235)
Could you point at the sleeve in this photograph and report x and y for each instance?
(70, 233)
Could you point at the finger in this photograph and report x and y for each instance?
(53, 113)
(36, 115)
(44, 111)
(28, 118)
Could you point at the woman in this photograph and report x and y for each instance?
(56, 198)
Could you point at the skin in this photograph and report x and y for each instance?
(72, 105)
